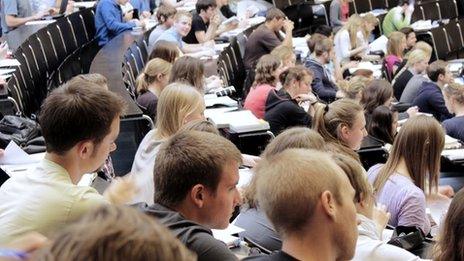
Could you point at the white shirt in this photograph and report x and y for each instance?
(343, 45)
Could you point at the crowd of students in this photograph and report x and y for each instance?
(184, 177)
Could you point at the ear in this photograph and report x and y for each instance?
(85, 149)
(159, 77)
(344, 131)
(328, 204)
(197, 195)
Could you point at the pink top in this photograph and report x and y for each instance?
(345, 11)
(256, 99)
(390, 61)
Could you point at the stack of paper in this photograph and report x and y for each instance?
(237, 121)
(453, 155)
(9, 62)
(451, 143)
(212, 100)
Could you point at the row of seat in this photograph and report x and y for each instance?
(448, 40)
(135, 59)
(46, 56)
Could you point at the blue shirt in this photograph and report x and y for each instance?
(109, 21)
(430, 99)
(455, 127)
(171, 35)
(17, 8)
(141, 5)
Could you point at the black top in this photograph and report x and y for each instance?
(148, 102)
(283, 112)
(195, 237)
(400, 83)
(278, 256)
(261, 41)
(226, 12)
(455, 127)
(197, 25)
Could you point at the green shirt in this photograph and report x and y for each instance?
(44, 200)
(395, 20)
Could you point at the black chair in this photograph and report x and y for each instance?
(362, 6)
(57, 42)
(47, 46)
(378, 4)
(88, 17)
(15, 92)
(137, 54)
(281, 4)
(302, 17)
(78, 29)
(431, 10)
(392, 3)
(39, 81)
(455, 40)
(448, 9)
(68, 37)
(441, 48)
(39, 55)
(417, 14)
(371, 156)
(143, 48)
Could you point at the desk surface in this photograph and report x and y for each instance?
(16, 37)
(108, 62)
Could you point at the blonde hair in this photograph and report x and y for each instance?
(455, 91)
(421, 45)
(354, 87)
(150, 73)
(283, 52)
(371, 19)
(176, 102)
(356, 174)
(352, 26)
(394, 42)
(180, 14)
(416, 56)
(419, 143)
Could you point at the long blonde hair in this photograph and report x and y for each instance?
(352, 26)
(175, 103)
(394, 42)
(419, 143)
(150, 73)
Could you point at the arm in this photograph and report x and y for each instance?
(111, 19)
(318, 86)
(288, 26)
(210, 33)
(412, 212)
(11, 12)
(398, 20)
(208, 248)
(437, 102)
(335, 14)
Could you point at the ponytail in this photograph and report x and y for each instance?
(150, 73)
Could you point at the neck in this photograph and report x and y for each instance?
(190, 212)
(70, 165)
(459, 110)
(307, 248)
(403, 169)
(440, 84)
(291, 92)
(155, 88)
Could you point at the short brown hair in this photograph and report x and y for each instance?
(313, 40)
(297, 73)
(265, 69)
(115, 233)
(165, 50)
(274, 12)
(96, 78)
(78, 111)
(164, 12)
(435, 69)
(201, 125)
(189, 158)
(290, 184)
(323, 46)
(188, 70)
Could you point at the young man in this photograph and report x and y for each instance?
(196, 174)
(109, 20)
(165, 16)
(266, 37)
(80, 122)
(397, 18)
(14, 13)
(181, 27)
(314, 214)
(322, 84)
(429, 98)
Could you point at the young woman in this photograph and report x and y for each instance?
(454, 100)
(346, 41)
(282, 107)
(342, 125)
(369, 22)
(165, 50)
(178, 104)
(190, 71)
(412, 169)
(267, 74)
(383, 124)
(395, 49)
(286, 55)
(353, 88)
(150, 83)
(416, 64)
(377, 93)
(257, 227)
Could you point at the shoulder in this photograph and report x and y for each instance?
(377, 250)
(207, 247)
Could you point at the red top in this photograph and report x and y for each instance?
(345, 11)
(256, 99)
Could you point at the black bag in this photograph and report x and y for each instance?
(23, 131)
(408, 238)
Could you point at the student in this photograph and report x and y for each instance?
(417, 63)
(96, 78)
(342, 125)
(412, 169)
(267, 74)
(15, 13)
(142, 7)
(450, 243)
(346, 40)
(178, 104)
(266, 37)
(115, 233)
(165, 50)
(369, 22)
(165, 17)
(454, 100)
(150, 83)
(370, 245)
(181, 27)
(314, 214)
(429, 98)
(109, 22)
(312, 41)
(377, 93)
(286, 55)
(395, 48)
(196, 174)
(282, 106)
(322, 84)
(410, 39)
(80, 123)
(190, 71)
(353, 88)
(339, 12)
(257, 226)
(383, 124)
(397, 18)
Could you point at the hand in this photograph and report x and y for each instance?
(2, 152)
(208, 45)
(129, 15)
(216, 19)
(121, 190)
(40, 14)
(305, 97)
(446, 191)
(288, 25)
(380, 216)
(250, 160)
(412, 111)
(146, 14)
(231, 26)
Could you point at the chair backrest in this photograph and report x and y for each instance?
(47, 46)
(378, 4)
(440, 47)
(448, 9)
(67, 34)
(281, 4)
(392, 3)
(455, 39)
(78, 29)
(431, 11)
(87, 16)
(15, 91)
(417, 14)
(362, 6)
(135, 51)
(57, 40)
(39, 55)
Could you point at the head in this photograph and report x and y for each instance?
(286, 55)
(323, 50)
(268, 70)
(419, 144)
(299, 201)
(183, 22)
(369, 23)
(297, 80)
(80, 121)
(421, 45)
(353, 26)
(341, 123)
(325, 30)
(165, 15)
(396, 44)
(450, 245)
(403, 4)
(313, 40)
(293, 138)
(122, 2)
(113, 232)
(165, 50)
(178, 104)
(156, 72)
(454, 96)
(418, 60)
(206, 8)
(275, 18)
(354, 87)
(383, 124)
(410, 37)
(198, 172)
(188, 70)
(200, 125)
(439, 72)
(377, 93)
(95, 78)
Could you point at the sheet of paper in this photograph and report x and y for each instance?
(6, 71)
(49, 21)
(245, 177)
(379, 44)
(9, 62)
(225, 235)
(456, 154)
(86, 4)
(14, 155)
